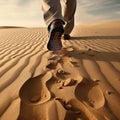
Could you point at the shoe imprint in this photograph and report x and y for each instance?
(35, 91)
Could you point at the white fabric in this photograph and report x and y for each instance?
(52, 10)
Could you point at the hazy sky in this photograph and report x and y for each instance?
(29, 13)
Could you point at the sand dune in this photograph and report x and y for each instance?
(80, 82)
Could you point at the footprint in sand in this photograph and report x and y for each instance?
(35, 91)
(90, 92)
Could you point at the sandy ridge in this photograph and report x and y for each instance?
(79, 82)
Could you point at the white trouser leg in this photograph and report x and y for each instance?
(69, 7)
(51, 10)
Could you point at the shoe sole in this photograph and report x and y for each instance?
(54, 42)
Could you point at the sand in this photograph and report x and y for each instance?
(80, 82)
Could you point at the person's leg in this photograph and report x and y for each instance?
(54, 21)
(68, 15)
(51, 11)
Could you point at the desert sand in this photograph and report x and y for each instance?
(79, 82)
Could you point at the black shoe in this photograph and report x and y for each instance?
(55, 32)
(66, 37)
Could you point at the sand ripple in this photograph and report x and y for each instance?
(80, 82)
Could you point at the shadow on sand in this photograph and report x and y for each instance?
(94, 37)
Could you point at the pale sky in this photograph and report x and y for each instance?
(28, 13)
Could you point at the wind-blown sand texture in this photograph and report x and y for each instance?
(80, 82)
